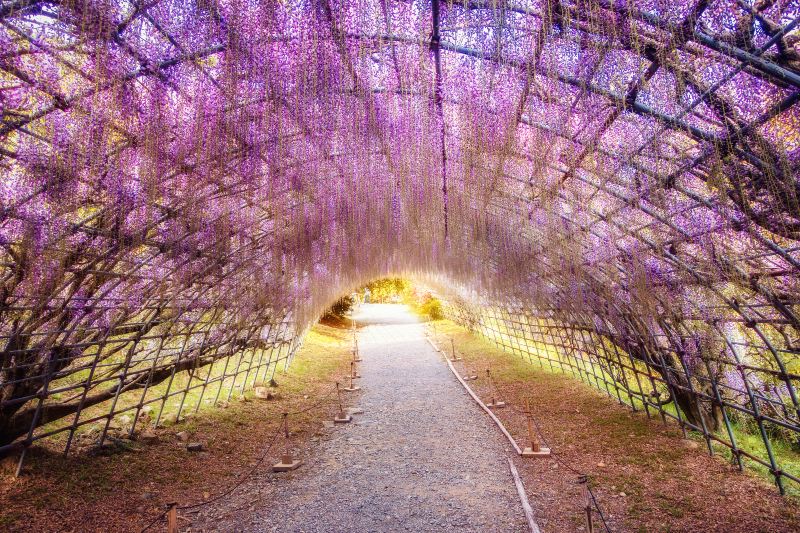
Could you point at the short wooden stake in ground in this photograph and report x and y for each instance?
(351, 387)
(172, 518)
(353, 372)
(287, 462)
(342, 417)
(534, 450)
(453, 349)
(588, 498)
(356, 354)
(495, 403)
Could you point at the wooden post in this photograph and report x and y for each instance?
(172, 518)
(535, 449)
(287, 462)
(495, 402)
(342, 417)
(453, 349)
(589, 523)
(531, 436)
(351, 387)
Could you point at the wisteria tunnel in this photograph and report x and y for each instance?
(192, 182)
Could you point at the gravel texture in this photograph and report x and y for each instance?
(422, 457)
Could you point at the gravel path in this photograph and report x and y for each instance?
(422, 456)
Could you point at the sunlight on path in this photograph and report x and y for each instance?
(422, 457)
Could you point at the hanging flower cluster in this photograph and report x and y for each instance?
(205, 168)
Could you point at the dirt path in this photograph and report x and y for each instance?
(422, 456)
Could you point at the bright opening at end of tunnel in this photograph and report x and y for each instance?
(384, 314)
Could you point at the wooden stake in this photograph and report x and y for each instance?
(535, 450)
(172, 518)
(453, 349)
(342, 417)
(495, 402)
(589, 522)
(351, 387)
(531, 436)
(287, 462)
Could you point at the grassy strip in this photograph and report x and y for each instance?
(747, 438)
(122, 486)
(647, 477)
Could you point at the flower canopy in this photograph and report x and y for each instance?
(187, 180)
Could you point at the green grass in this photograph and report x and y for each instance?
(787, 458)
(197, 401)
(92, 480)
(532, 363)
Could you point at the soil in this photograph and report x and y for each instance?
(127, 485)
(646, 476)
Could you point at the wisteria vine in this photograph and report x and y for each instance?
(187, 180)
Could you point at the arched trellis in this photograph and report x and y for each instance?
(188, 184)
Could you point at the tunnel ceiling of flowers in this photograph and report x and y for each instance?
(610, 185)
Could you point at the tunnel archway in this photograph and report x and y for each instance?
(185, 181)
